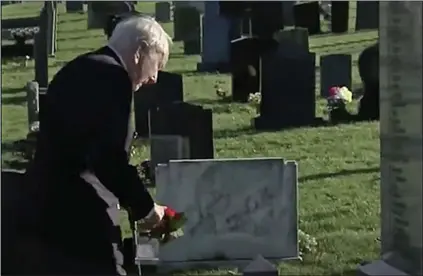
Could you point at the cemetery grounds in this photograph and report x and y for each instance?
(338, 165)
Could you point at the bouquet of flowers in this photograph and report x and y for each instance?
(255, 100)
(338, 97)
(170, 228)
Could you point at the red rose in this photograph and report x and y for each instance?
(333, 91)
(170, 212)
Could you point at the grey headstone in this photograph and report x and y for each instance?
(260, 267)
(74, 6)
(229, 205)
(215, 52)
(288, 12)
(51, 12)
(32, 95)
(100, 11)
(335, 70)
(41, 52)
(298, 36)
(168, 147)
(168, 89)
(307, 15)
(367, 15)
(401, 140)
(191, 34)
(186, 23)
(287, 88)
(163, 12)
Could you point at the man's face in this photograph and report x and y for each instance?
(147, 69)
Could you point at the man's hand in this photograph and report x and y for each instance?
(153, 219)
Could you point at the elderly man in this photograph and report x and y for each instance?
(80, 172)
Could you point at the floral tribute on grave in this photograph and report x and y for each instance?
(169, 229)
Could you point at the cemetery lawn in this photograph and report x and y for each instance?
(338, 166)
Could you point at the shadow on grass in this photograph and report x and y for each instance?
(176, 55)
(71, 38)
(340, 173)
(186, 72)
(232, 133)
(72, 20)
(19, 100)
(10, 91)
(220, 100)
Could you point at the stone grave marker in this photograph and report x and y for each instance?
(51, 14)
(245, 65)
(178, 19)
(260, 267)
(307, 15)
(335, 70)
(215, 54)
(401, 140)
(191, 35)
(186, 120)
(288, 13)
(74, 6)
(99, 12)
(41, 52)
(163, 12)
(266, 18)
(287, 88)
(168, 147)
(33, 105)
(245, 68)
(339, 16)
(367, 15)
(299, 36)
(229, 206)
(168, 89)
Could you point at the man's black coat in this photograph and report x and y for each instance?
(83, 126)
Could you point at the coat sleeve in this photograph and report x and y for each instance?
(107, 157)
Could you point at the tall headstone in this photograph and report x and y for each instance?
(163, 12)
(307, 15)
(32, 97)
(178, 19)
(266, 18)
(245, 68)
(288, 13)
(191, 30)
(186, 120)
(339, 16)
(287, 88)
(164, 148)
(401, 140)
(41, 52)
(298, 36)
(168, 89)
(74, 6)
(215, 52)
(367, 15)
(100, 11)
(51, 13)
(229, 206)
(335, 70)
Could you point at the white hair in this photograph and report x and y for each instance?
(134, 31)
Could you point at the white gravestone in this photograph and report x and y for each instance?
(236, 209)
(401, 139)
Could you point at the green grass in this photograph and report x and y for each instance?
(338, 166)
